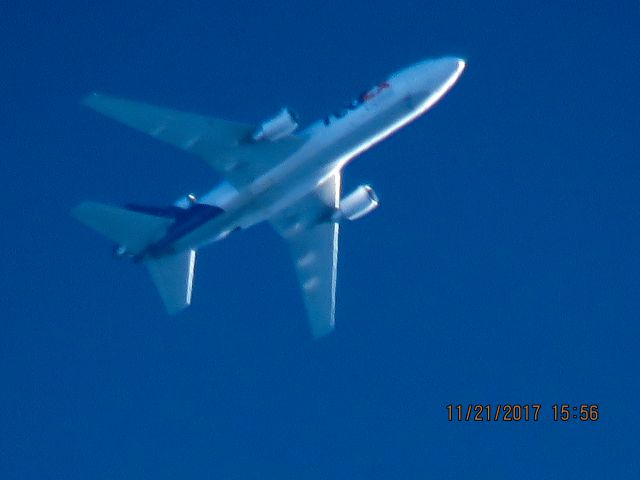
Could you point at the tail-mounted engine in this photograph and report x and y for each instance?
(186, 201)
(283, 124)
(357, 204)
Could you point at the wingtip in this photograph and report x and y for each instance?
(76, 212)
(174, 310)
(89, 99)
(321, 332)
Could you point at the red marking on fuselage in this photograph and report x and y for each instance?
(376, 90)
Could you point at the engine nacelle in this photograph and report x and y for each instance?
(283, 124)
(357, 204)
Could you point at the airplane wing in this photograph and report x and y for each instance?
(223, 144)
(314, 246)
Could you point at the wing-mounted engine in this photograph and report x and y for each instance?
(283, 124)
(357, 204)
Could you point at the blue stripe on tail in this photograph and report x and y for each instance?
(186, 220)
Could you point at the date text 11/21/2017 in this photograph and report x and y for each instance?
(514, 412)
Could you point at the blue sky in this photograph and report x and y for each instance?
(502, 265)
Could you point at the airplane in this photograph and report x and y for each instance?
(291, 180)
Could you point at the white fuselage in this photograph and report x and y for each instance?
(331, 143)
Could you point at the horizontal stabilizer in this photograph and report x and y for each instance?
(173, 276)
(132, 230)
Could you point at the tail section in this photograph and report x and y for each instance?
(129, 229)
(133, 231)
(173, 276)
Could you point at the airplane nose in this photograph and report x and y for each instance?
(450, 65)
(431, 78)
(436, 73)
